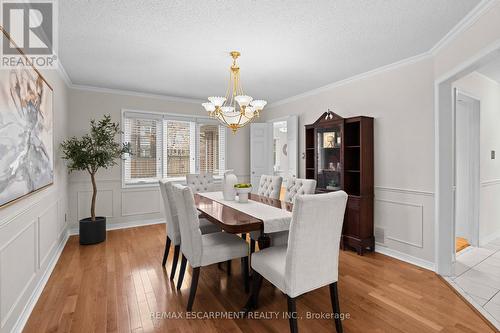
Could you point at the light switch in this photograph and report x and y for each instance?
(493, 154)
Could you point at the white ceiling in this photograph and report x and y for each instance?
(179, 48)
(492, 69)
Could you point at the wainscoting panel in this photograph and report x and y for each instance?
(30, 242)
(18, 266)
(48, 233)
(405, 218)
(404, 222)
(140, 202)
(489, 211)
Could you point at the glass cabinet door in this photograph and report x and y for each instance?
(329, 163)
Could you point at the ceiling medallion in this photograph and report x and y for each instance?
(224, 108)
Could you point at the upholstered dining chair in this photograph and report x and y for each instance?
(296, 186)
(310, 260)
(270, 187)
(203, 250)
(293, 187)
(203, 182)
(172, 224)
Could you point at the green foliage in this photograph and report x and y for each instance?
(95, 150)
(242, 185)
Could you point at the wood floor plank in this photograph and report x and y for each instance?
(120, 286)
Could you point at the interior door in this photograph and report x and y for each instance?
(261, 150)
(292, 124)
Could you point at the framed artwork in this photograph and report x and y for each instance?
(26, 132)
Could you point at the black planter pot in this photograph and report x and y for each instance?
(92, 232)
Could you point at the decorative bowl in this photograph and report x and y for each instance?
(242, 190)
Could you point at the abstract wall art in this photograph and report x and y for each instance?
(26, 133)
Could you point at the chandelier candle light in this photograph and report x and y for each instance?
(224, 108)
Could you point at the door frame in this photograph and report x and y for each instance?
(477, 168)
(444, 156)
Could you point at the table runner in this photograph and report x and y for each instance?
(275, 219)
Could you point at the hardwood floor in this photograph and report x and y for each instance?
(115, 286)
(460, 244)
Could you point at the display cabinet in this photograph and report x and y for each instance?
(339, 155)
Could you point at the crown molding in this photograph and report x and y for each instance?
(464, 24)
(486, 77)
(64, 75)
(382, 69)
(135, 94)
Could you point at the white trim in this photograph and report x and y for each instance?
(382, 69)
(122, 225)
(37, 291)
(464, 24)
(404, 191)
(135, 94)
(486, 77)
(491, 182)
(443, 108)
(64, 75)
(404, 257)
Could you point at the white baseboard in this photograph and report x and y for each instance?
(122, 225)
(405, 257)
(485, 240)
(37, 291)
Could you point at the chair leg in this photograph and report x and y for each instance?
(292, 314)
(194, 286)
(165, 253)
(177, 249)
(228, 267)
(256, 284)
(244, 262)
(182, 271)
(334, 295)
(252, 246)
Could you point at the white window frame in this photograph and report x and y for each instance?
(197, 120)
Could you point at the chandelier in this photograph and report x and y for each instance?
(225, 109)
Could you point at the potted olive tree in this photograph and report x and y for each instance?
(98, 149)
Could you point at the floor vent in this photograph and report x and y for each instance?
(380, 235)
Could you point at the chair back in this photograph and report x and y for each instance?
(171, 217)
(299, 186)
(270, 186)
(189, 223)
(312, 256)
(203, 182)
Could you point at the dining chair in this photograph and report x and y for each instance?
(202, 182)
(296, 186)
(203, 250)
(269, 187)
(172, 225)
(311, 258)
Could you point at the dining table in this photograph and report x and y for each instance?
(261, 213)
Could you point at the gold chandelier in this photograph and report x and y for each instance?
(224, 108)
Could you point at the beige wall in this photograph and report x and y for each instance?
(138, 204)
(488, 92)
(401, 101)
(33, 229)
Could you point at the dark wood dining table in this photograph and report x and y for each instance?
(234, 221)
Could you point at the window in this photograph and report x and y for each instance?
(167, 146)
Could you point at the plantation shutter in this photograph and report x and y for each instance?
(143, 134)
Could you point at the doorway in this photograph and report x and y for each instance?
(467, 178)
